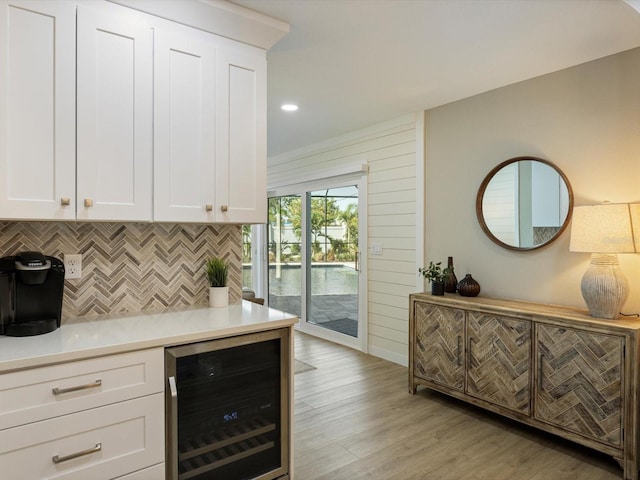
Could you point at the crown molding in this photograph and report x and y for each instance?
(216, 16)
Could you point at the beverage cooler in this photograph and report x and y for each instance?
(228, 408)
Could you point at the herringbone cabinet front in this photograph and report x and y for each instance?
(580, 382)
(555, 368)
(440, 345)
(498, 353)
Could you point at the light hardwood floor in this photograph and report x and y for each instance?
(354, 419)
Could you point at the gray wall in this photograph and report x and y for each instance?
(586, 120)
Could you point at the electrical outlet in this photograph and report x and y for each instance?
(72, 266)
(376, 249)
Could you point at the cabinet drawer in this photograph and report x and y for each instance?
(102, 443)
(152, 473)
(28, 396)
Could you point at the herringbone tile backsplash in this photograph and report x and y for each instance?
(130, 267)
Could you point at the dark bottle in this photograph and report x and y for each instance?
(450, 280)
(468, 287)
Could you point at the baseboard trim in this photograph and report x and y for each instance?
(390, 356)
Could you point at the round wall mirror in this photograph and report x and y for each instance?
(524, 203)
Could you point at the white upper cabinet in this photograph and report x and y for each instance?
(184, 126)
(114, 115)
(209, 129)
(241, 189)
(37, 110)
(111, 114)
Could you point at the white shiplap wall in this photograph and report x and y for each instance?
(389, 150)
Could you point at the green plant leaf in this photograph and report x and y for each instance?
(216, 269)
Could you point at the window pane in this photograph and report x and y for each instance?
(284, 230)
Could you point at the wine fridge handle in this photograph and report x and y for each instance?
(173, 419)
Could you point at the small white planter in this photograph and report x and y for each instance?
(218, 297)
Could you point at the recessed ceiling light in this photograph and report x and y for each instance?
(289, 107)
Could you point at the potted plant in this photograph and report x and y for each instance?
(435, 274)
(216, 270)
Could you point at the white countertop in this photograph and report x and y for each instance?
(105, 335)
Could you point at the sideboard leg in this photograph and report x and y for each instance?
(629, 467)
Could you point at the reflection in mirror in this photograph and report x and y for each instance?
(524, 203)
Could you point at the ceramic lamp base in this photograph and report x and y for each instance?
(218, 297)
(604, 286)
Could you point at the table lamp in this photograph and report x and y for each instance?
(604, 231)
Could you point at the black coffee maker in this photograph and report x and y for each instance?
(31, 288)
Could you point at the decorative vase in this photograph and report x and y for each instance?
(450, 280)
(218, 297)
(468, 287)
(437, 288)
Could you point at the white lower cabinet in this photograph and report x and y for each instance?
(40, 393)
(101, 443)
(152, 473)
(100, 418)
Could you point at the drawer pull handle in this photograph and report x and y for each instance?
(88, 202)
(65, 201)
(208, 207)
(224, 208)
(89, 451)
(60, 391)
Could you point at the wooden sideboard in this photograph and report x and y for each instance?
(555, 368)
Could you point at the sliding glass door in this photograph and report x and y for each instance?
(313, 260)
(332, 296)
(285, 253)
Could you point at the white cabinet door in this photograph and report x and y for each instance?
(114, 115)
(96, 444)
(37, 109)
(241, 191)
(184, 127)
(36, 394)
(152, 473)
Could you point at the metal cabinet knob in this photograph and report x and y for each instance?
(88, 202)
(65, 201)
(208, 207)
(224, 208)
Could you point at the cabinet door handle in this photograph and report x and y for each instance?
(459, 350)
(208, 207)
(540, 387)
(224, 208)
(65, 201)
(60, 391)
(88, 451)
(172, 420)
(88, 202)
(469, 353)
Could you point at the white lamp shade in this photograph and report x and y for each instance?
(604, 228)
(635, 220)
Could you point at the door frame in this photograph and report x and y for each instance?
(360, 180)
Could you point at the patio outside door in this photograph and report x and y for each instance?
(314, 262)
(332, 262)
(284, 257)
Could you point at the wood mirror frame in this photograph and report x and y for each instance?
(547, 233)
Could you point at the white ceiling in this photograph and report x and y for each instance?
(350, 64)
